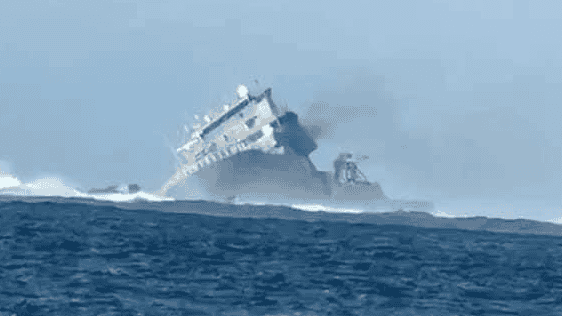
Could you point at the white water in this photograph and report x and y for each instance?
(322, 208)
(54, 186)
(305, 207)
(549, 211)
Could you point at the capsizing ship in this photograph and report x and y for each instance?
(252, 150)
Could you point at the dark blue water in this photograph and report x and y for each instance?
(80, 259)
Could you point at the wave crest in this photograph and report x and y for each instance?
(8, 181)
(54, 186)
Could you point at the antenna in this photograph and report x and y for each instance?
(242, 91)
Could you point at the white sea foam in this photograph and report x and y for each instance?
(302, 207)
(555, 220)
(443, 214)
(322, 208)
(8, 181)
(48, 186)
(55, 186)
(119, 197)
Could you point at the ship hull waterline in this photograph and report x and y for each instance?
(254, 176)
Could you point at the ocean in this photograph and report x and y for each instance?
(68, 256)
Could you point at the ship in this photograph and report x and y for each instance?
(252, 150)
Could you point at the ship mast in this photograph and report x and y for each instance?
(347, 171)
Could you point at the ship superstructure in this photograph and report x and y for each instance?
(249, 149)
(247, 124)
(251, 144)
(347, 171)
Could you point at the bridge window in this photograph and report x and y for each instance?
(254, 137)
(213, 148)
(251, 122)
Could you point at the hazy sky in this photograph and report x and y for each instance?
(452, 100)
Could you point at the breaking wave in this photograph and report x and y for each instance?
(306, 207)
(8, 181)
(446, 215)
(323, 208)
(55, 187)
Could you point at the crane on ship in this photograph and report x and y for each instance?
(347, 171)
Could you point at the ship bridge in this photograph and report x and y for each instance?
(248, 124)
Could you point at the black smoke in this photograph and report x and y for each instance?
(321, 119)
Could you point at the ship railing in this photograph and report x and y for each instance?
(225, 115)
(222, 154)
(219, 155)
